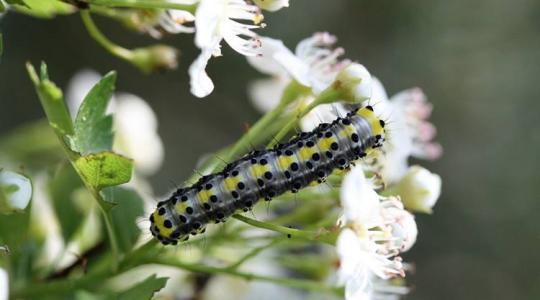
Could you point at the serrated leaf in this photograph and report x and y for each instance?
(145, 289)
(129, 207)
(93, 128)
(105, 169)
(52, 101)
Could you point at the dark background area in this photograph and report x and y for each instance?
(478, 62)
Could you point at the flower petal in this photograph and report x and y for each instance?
(378, 93)
(295, 66)
(266, 62)
(360, 202)
(16, 190)
(201, 84)
(4, 285)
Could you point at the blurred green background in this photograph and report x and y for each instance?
(478, 62)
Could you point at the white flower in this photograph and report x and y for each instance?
(409, 133)
(314, 64)
(15, 191)
(4, 285)
(215, 21)
(135, 124)
(171, 21)
(272, 5)
(419, 189)
(376, 230)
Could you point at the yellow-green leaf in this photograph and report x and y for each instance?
(105, 169)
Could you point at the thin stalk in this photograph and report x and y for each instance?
(327, 96)
(292, 91)
(290, 282)
(254, 252)
(97, 35)
(327, 238)
(147, 4)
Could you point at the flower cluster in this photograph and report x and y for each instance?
(375, 229)
(214, 21)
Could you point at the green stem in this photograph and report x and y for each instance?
(254, 252)
(324, 237)
(97, 35)
(59, 119)
(148, 4)
(327, 96)
(292, 91)
(290, 282)
(112, 237)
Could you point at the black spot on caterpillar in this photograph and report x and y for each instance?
(264, 174)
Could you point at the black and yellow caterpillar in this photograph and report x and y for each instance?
(307, 158)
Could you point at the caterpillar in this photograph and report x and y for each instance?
(308, 158)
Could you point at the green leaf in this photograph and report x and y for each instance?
(93, 128)
(52, 101)
(130, 207)
(145, 289)
(104, 169)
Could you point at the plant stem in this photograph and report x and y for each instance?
(327, 238)
(97, 35)
(112, 237)
(147, 4)
(292, 91)
(254, 252)
(327, 96)
(294, 283)
(58, 116)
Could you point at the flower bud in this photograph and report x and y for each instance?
(15, 192)
(157, 57)
(405, 230)
(272, 5)
(355, 83)
(419, 189)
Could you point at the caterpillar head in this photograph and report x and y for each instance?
(377, 125)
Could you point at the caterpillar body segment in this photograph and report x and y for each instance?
(264, 174)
